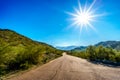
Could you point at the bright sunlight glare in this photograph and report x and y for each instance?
(83, 16)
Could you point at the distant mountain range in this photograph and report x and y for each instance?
(79, 48)
(112, 44)
(66, 47)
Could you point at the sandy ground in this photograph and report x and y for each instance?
(70, 68)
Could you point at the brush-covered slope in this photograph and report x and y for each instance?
(112, 44)
(19, 52)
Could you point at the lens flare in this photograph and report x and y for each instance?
(84, 16)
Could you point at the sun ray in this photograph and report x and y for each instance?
(77, 11)
(91, 26)
(81, 28)
(80, 7)
(91, 6)
(85, 7)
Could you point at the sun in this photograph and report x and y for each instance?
(83, 16)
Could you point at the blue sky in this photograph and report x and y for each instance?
(47, 21)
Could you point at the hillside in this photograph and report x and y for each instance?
(107, 52)
(112, 44)
(19, 52)
(107, 44)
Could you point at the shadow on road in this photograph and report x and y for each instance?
(106, 63)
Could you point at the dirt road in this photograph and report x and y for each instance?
(70, 68)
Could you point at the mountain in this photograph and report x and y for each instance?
(112, 44)
(66, 47)
(79, 48)
(19, 52)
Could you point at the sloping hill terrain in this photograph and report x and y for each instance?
(19, 52)
(107, 44)
(100, 54)
(112, 44)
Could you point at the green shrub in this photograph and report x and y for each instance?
(99, 53)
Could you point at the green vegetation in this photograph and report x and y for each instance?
(99, 54)
(18, 52)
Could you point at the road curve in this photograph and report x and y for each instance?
(70, 68)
